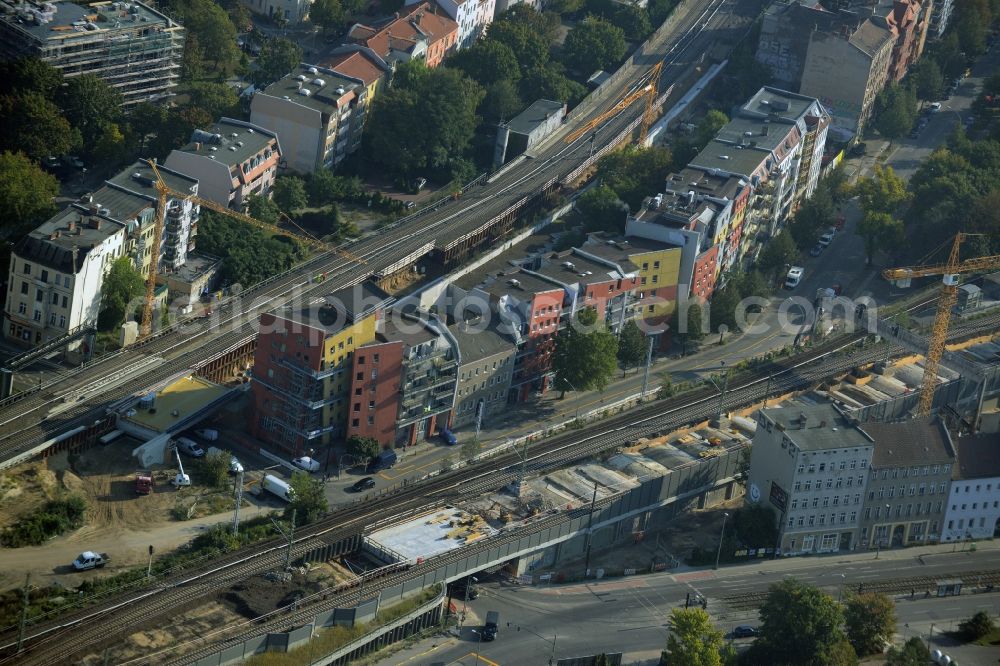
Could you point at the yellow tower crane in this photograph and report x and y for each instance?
(164, 192)
(647, 91)
(951, 271)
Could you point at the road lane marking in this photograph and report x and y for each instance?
(480, 657)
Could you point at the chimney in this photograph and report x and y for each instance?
(72, 225)
(803, 419)
(95, 223)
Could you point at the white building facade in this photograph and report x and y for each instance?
(974, 501)
(472, 17)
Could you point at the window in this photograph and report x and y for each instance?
(854, 464)
(62, 321)
(843, 518)
(21, 308)
(355, 423)
(843, 464)
(836, 500)
(360, 377)
(27, 269)
(812, 520)
(922, 488)
(52, 321)
(826, 501)
(361, 360)
(815, 502)
(38, 315)
(799, 470)
(798, 486)
(371, 420)
(812, 469)
(357, 406)
(868, 513)
(795, 504)
(39, 295)
(822, 467)
(45, 275)
(913, 489)
(371, 404)
(801, 521)
(24, 288)
(65, 302)
(656, 265)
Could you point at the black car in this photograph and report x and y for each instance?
(816, 250)
(366, 483)
(744, 631)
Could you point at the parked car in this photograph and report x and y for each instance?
(190, 447)
(794, 277)
(235, 466)
(936, 106)
(915, 133)
(826, 238)
(816, 250)
(859, 149)
(361, 485)
(744, 631)
(419, 183)
(409, 204)
(306, 463)
(449, 437)
(207, 434)
(90, 560)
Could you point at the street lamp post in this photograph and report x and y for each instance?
(722, 393)
(878, 541)
(840, 588)
(722, 534)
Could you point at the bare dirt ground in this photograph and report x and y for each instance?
(118, 521)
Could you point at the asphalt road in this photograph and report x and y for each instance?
(630, 615)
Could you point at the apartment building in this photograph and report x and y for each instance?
(659, 268)
(940, 17)
(909, 21)
(843, 58)
(302, 384)
(360, 63)
(485, 371)
(56, 272)
(417, 31)
(810, 463)
(973, 504)
(317, 114)
(908, 483)
(472, 17)
(136, 49)
(232, 160)
(292, 12)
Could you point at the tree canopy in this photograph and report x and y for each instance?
(34, 125)
(90, 105)
(694, 640)
(249, 254)
(209, 36)
(585, 360)
(601, 209)
(550, 82)
(815, 620)
(445, 101)
(594, 44)
(122, 285)
(328, 14)
(913, 653)
(290, 193)
(896, 110)
(278, 57)
(488, 61)
(308, 498)
(870, 620)
(26, 194)
(362, 447)
(633, 173)
(631, 346)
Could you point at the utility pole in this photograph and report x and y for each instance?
(24, 613)
(479, 417)
(767, 389)
(149, 566)
(590, 531)
(290, 536)
(722, 395)
(552, 655)
(239, 500)
(649, 362)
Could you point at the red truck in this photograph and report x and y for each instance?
(143, 482)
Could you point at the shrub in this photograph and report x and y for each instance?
(52, 519)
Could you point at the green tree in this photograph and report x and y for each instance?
(277, 58)
(471, 448)
(928, 79)
(550, 82)
(694, 640)
(777, 253)
(631, 346)
(146, 119)
(90, 105)
(756, 526)
(263, 209)
(209, 36)
(26, 194)
(328, 14)
(362, 447)
(526, 35)
(501, 102)
(882, 232)
(710, 126)
(635, 172)
(896, 111)
(976, 626)
(308, 498)
(660, 10)
(30, 75)
(585, 361)
(290, 193)
(215, 468)
(870, 620)
(487, 62)
(725, 304)
(634, 22)
(249, 255)
(217, 99)
(883, 192)
(110, 148)
(913, 653)
(815, 620)
(594, 44)
(122, 285)
(601, 209)
(35, 126)
(812, 218)
(446, 101)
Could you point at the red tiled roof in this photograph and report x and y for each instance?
(355, 65)
(420, 22)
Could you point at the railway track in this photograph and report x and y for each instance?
(750, 601)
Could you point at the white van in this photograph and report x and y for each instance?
(190, 447)
(794, 277)
(276, 486)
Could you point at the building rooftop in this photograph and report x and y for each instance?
(406, 30)
(177, 401)
(572, 267)
(776, 103)
(409, 330)
(333, 312)
(195, 266)
(823, 428)
(495, 276)
(913, 442)
(314, 87)
(729, 159)
(871, 37)
(619, 248)
(476, 342)
(431, 534)
(230, 141)
(140, 179)
(360, 63)
(61, 21)
(978, 456)
(536, 114)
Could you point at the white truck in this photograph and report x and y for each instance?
(276, 486)
(794, 277)
(90, 560)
